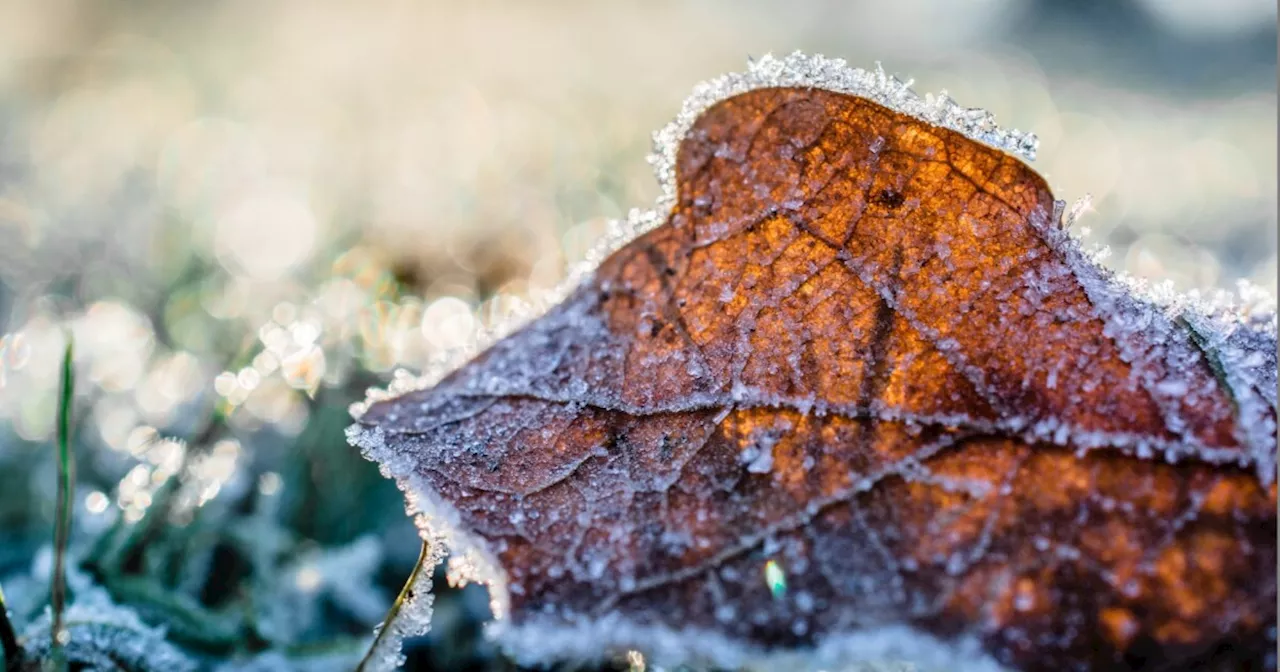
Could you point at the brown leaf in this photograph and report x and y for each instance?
(860, 384)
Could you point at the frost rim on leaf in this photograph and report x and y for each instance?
(1251, 308)
(893, 648)
(439, 527)
(1229, 324)
(795, 70)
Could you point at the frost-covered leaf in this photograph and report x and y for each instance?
(859, 397)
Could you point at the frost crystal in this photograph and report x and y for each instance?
(876, 650)
(832, 74)
(438, 525)
(104, 636)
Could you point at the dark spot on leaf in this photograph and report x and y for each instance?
(888, 198)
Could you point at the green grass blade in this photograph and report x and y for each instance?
(388, 624)
(62, 520)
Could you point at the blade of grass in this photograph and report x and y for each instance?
(388, 624)
(62, 520)
(8, 637)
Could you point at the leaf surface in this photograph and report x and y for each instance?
(860, 383)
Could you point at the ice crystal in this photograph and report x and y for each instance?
(100, 635)
(413, 619)
(833, 74)
(438, 526)
(885, 649)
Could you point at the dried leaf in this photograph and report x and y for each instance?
(860, 397)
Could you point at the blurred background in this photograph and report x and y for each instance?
(247, 212)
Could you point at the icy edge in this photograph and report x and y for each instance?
(831, 74)
(794, 70)
(439, 526)
(1227, 319)
(1236, 333)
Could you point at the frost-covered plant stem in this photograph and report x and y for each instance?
(372, 656)
(62, 517)
(9, 645)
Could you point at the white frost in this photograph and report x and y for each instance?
(889, 649)
(439, 527)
